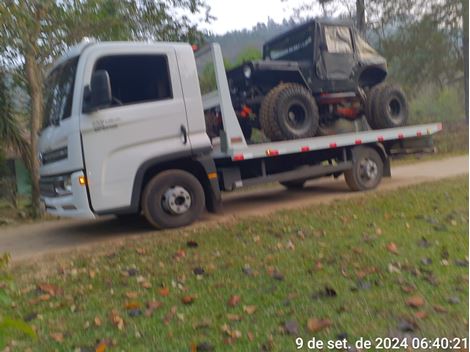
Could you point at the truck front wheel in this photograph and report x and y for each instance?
(173, 198)
(289, 111)
(367, 170)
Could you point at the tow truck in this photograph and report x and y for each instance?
(125, 134)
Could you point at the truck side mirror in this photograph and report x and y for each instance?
(98, 94)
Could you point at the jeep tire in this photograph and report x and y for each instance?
(386, 106)
(289, 111)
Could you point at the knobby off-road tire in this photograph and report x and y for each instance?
(386, 106)
(367, 170)
(173, 198)
(289, 111)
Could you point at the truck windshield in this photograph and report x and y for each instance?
(296, 46)
(59, 92)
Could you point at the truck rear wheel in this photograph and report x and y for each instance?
(289, 111)
(367, 170)
(173, 198)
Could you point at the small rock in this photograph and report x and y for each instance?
(204, 347)
(132, 272)
(192, 244)
(247, 270)
(198, 271)
(406, 326)
(453, 300)
(291, 327)
(426, 261)
(134, 312)
(276, 275)
(424, 243)
(461, 262)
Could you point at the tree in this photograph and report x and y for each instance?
(33, 33)
(11, 133)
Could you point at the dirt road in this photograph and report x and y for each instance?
(27, 241)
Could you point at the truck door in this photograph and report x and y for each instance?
(146, 120)
(338, 53)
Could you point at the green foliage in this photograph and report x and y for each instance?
(248, 54)
(432, 105)
(8, 324)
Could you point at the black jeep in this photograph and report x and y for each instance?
(316, 79)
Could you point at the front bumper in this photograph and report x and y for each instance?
(75, 204)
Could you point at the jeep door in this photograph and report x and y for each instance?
(146, 120)
(338, 56)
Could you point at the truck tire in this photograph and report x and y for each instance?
(388, 107)
(294, 184)
(173, 198)
(289, 111)
(367, 170)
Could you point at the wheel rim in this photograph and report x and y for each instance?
(176, 200)
(394, 109)
(368, 170)
(297, 120)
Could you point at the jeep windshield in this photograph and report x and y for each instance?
(59, 92)
(296, 46)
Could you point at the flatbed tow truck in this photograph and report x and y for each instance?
(112, 145)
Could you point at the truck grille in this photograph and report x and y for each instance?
(54, 155)
(51, 186)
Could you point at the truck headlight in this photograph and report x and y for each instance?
(247, 71)
(68, 184)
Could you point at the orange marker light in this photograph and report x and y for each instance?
(82, 180)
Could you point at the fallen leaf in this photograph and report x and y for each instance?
(187, 299)
(415, 301)
(140, 251)
(132, 305)
(97, 321)
(151, 306)
(41, 298)
(315, 324)
(249, 309)
(378, 231)
(170, 315)
(180, 253)
(233, 301)
(165, 291)
(421, 314)
(233, 317)
(408, 288)
(116, 320)
(250, 336)
(49, 289)
(440, 309)
(132, 294)
(392, 248)
(146, 284)
(101, 347)
(57, 336)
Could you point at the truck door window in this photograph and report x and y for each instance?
(338, 40)
(137, 78)
(59, 92)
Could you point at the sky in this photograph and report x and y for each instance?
(240, 14)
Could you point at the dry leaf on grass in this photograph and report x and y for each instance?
(415, 301)
(314, 324)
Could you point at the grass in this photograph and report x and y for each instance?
(354, 263)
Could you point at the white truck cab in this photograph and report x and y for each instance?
(124, 132)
